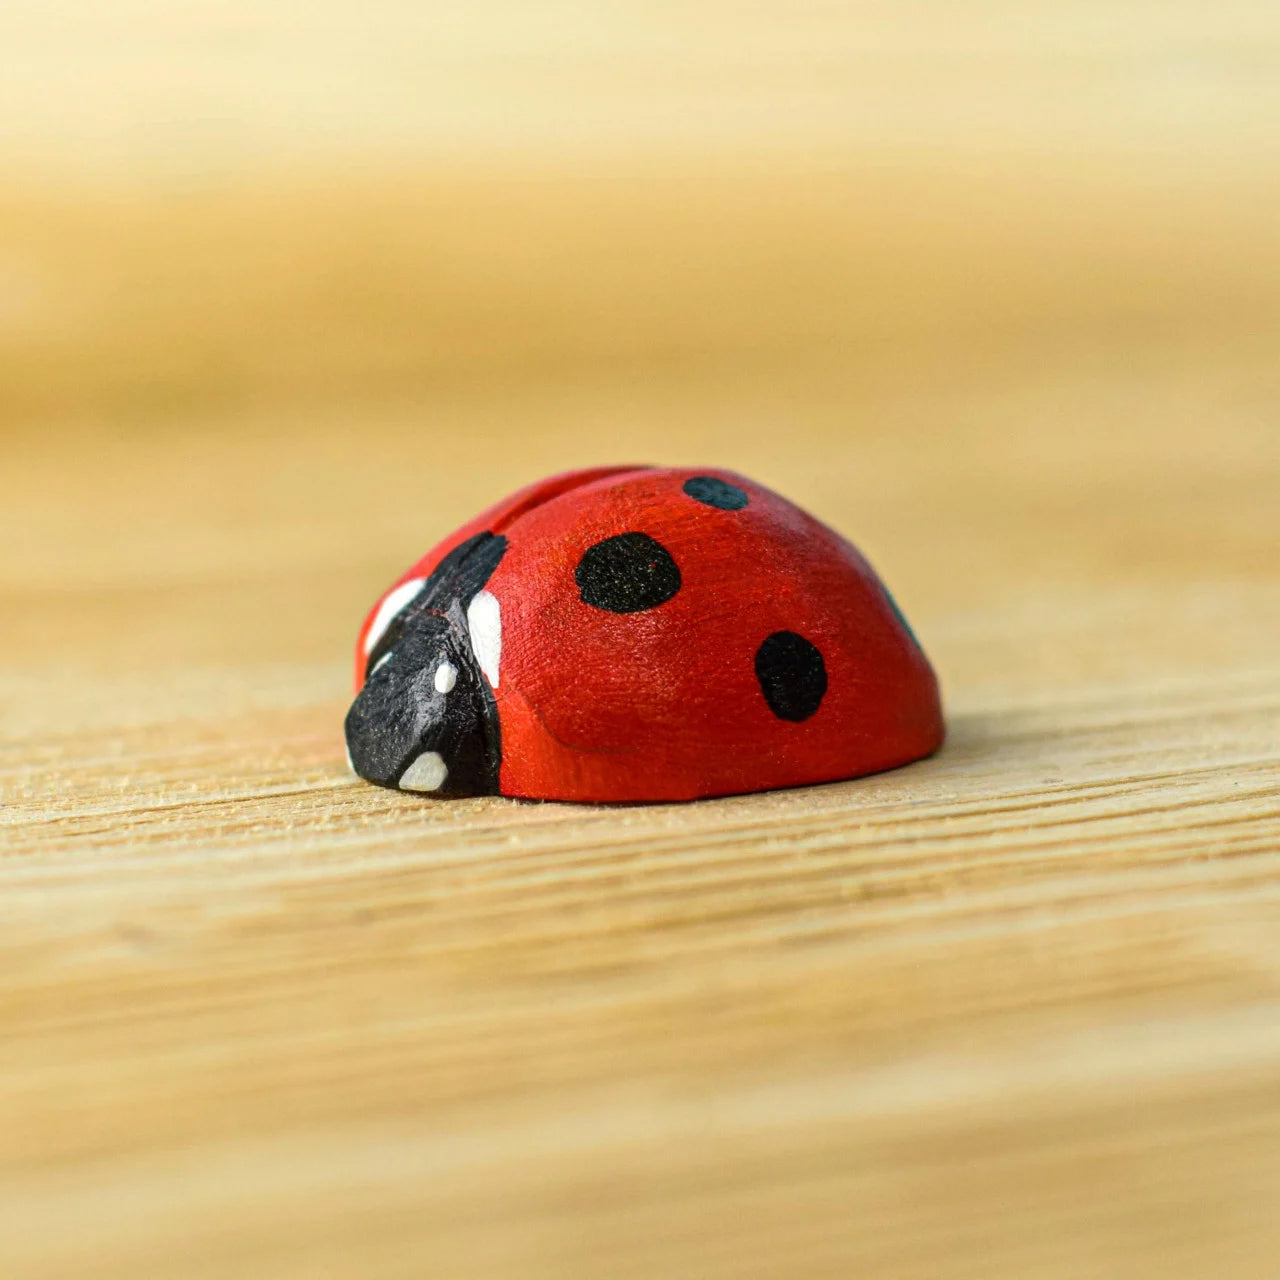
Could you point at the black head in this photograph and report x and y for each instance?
(426, 718)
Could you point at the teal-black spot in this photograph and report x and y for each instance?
(901, 617)
(714, 492)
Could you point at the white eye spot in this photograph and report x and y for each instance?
(426, 773)
(484, 621)
(446, 677)
(395, 602)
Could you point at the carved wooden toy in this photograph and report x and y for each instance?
(638, 633)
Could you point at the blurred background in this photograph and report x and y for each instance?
(289, 290)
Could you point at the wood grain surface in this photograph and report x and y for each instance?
(1013, 1011)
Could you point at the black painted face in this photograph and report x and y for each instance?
(426, 719)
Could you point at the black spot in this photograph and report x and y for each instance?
(901, 617)
(792, 675)
(715, 493)
(627, 573)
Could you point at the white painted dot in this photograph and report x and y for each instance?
(484, 621)
(446, 677)
(426, 773)
(394, 602)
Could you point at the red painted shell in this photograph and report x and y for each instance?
(629, 673)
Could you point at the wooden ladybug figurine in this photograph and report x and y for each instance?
(638, 633)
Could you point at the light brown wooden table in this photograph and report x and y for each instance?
(1010, 1012)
